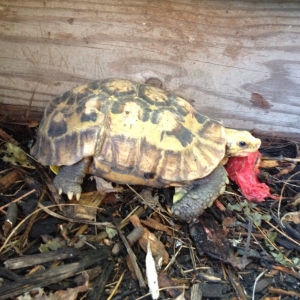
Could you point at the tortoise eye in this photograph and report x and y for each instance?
(242, 144)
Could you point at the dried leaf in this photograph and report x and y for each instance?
(291, 217)
(15, 155)
(157, 226)
(105, 186)
(72, 293)
(157, 247)
(9, 179)
(86, 208)
(37, 294)
(229, 222)
(296, 200)
(166, 282)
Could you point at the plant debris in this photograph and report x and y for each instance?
(102, 247)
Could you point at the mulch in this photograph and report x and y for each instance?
(52, 248)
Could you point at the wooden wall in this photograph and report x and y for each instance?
(238, 61)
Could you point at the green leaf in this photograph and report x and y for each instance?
(235, 207)
(52, 245)
(111, 232)
(267, 217)
(257, 218)
(43, 248)
(272, 236)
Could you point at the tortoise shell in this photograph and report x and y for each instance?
(136, 134)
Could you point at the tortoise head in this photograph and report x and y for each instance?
(240, 143)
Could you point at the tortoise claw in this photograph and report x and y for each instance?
(78, 196)
(70, 195)
(60, 191)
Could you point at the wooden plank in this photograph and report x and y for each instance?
(238, 61)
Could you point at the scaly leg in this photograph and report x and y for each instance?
(200, 195)
(70, 178)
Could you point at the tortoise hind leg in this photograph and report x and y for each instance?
(70, 178)
(200, 195)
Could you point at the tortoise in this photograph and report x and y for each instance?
(132, 133)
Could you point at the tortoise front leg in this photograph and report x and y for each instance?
(70, 178)
(200, 195)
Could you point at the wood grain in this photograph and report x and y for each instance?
(237, 61)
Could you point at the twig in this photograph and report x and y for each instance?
(273, 290)
(250, 226)
(30, 103)
(6, 137)
(256, 280)
(116, 287)
(281, 193)
(46, 209)
(18, 199)
(73, 220)
(287, 270)
(281, 158)
(130, 253)
(24, 237)
(239, 289)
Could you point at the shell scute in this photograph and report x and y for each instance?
(89, 117)
(182, 112)
(155, 116)
(117, 107)
(79, 109)
(82, 98)
(118, 87)
(153, 95)
(200, 118)
(72, 100)
(136, 134)
(49, 111)
(62, 98)
(181, 133)
(58, 126)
